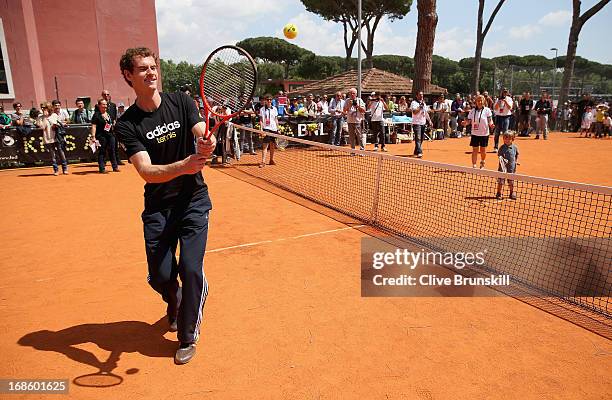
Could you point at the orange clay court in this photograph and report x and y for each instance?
(284, 318)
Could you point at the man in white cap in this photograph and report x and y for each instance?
(120, 109)
(377, 107)
(354, 109)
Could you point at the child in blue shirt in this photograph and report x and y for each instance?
(508, 160)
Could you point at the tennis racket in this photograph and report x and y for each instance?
(503, 164)
(228, 80)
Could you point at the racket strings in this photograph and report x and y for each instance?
(229, 78)
(234, 90)
(245, 68)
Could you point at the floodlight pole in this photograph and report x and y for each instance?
(554, 73)
(359, 49)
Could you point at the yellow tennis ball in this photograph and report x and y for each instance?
(290, 31)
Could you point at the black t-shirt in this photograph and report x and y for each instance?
(543, 107)
(525, 106)
(166, 135)
(245, 118)
(100, 123)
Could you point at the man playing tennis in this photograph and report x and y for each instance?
(158, 132)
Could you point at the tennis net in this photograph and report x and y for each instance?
(555, 237)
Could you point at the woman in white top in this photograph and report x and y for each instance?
(51, 141)
(268, 120)
(587, 119)
(480, 119)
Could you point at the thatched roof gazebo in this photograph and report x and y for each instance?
(373, 80)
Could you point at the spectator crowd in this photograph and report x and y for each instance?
(350, 118)
(52, 119)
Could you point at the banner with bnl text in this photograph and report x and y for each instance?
(394, 268)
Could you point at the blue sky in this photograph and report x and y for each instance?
(189, 29)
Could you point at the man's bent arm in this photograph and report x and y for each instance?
(156, 173)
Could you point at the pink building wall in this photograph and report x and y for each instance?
(79, 42)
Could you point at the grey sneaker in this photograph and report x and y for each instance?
(185, 353)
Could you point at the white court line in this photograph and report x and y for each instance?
(281, 239)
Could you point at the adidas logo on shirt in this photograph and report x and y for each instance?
(163, 129)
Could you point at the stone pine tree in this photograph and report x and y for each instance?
(423, 52)
(480, 37)
(345, 12)
(274, 50)
(578, 22)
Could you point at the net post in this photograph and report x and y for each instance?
(374, 213)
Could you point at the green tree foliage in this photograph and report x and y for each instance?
(485, 64)
(317, 67)
(579, 63)
(274, 50)
(174, 76)
(267, 71)
(528, 73)
(534, 61)
(459, 82)
(504, 61)
(442, 69)
(400, 65)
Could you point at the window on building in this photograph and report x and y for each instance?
(6, 81)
